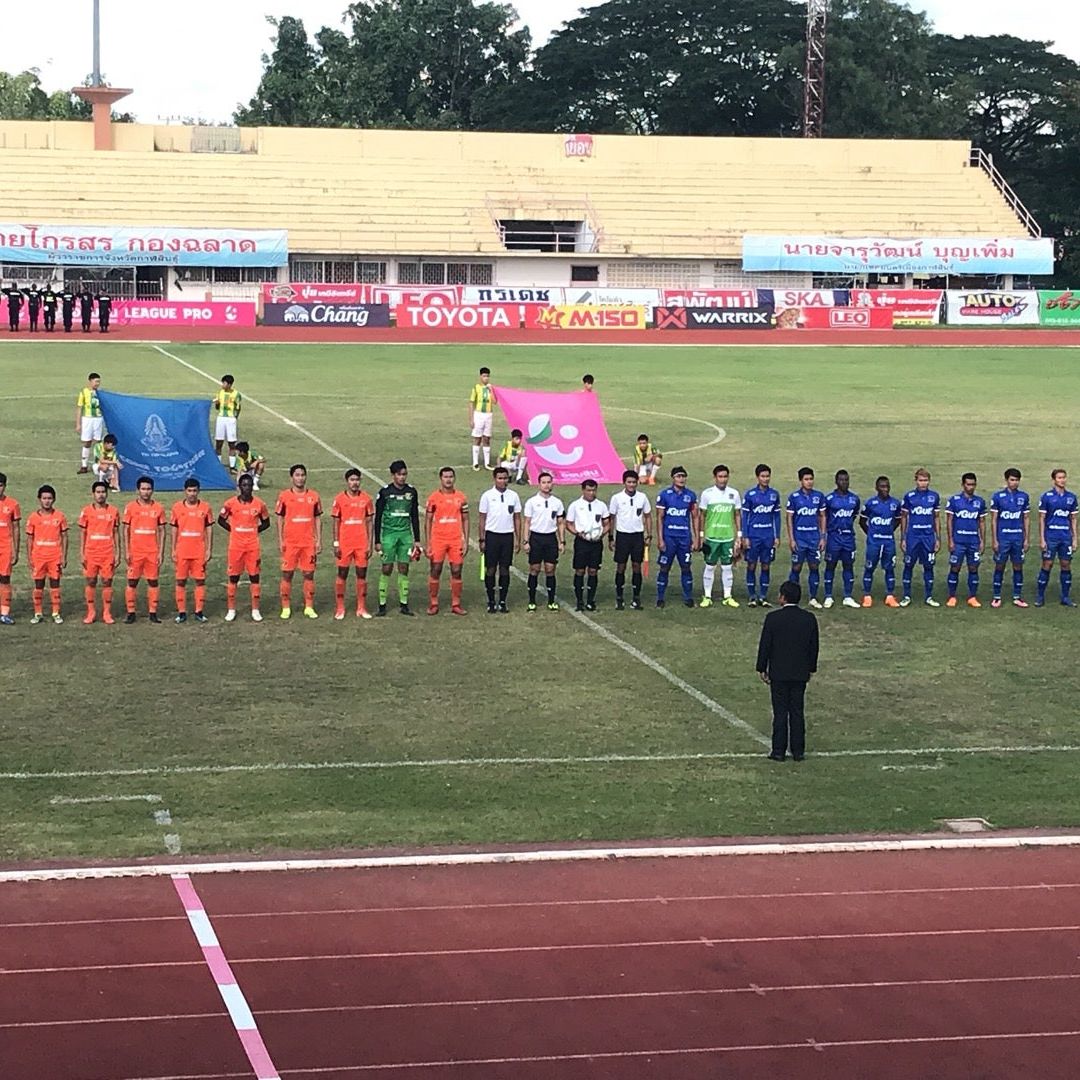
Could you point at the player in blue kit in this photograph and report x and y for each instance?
(965, 521)
(677, 535)
(879, 520)
(1010, 528)
(806, 532)
(1057, 537)
(841, 512)
(920, 535)
(761, 534)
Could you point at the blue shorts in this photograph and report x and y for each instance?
(1011, 551)
(761, 551)
(960, 552)
(840, 553)
(1058, 549)
(920, 552)
(801, 554)
(677, 550)
(881, 552)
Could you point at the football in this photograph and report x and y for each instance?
(593, 532)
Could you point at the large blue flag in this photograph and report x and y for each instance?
(167, 439)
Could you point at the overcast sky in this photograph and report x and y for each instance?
(201, 58)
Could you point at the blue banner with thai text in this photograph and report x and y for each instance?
(167, 439)
(882, 255)
(110, 245)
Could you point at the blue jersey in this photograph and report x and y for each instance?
(761, 514)
(677, 507)
(921, 507)
(1011, 508)
(965, 518)
(840, 514)
(1058, 510)
(881, 517)
(804, 506)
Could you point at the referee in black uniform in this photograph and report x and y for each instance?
(631, 522)
(499, 530)
(545, 517)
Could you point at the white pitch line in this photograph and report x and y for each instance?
(703, 699)
(721, 434)
(473, 345)
(499, 762)
(63, 800)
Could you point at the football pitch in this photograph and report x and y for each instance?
(550, 726)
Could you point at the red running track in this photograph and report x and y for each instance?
(892, 965)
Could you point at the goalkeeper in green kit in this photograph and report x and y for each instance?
(397, 534)
(720, 515)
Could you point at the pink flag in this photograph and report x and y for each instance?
(564, 434)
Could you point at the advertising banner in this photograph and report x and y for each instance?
(910, 307)
(889, 255)
(564, 433)
(360, 316)
(595, 297)
(833, 318)
(992, 308)
(417, 295)
(469, 317)
(113, 245)
(585, 317)
(167, 439)
(706, 318)
(785, 298)
(701, 298)
(183, 313)
(488, 294)
(1059, 307)
(309, 292)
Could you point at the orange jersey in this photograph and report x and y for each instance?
(448, 508)
(99, 524)
(191, 523)
(9, 515)
(143, 519)
(244, 518)
(354, 512)
(299, 509)
(45, 530)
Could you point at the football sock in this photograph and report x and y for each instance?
(579, 587)
(661, 583)
(181, 598)
(534, 580)
(91, 596)
(504, 584)
(285, 592)
(620, 583)
(973, 582)
(309, 592)
(928, 580)
(594, 581)
(256, 593)
(106, 597)
(403, 589)
(727, 580)
(54, 598)
(953, 580)
(456, 584)
(763, 582)
(476, 455)
(433, 589)
(384, 588)
(230, 596)
(361, 593)
(339, 594)
(550, 582)
(688, 583)
(1066, 584)
(152, 594)
(751, 584)
(129, 599)
(232, 461)
(867, 579)
(635, 581)
(794, 575)
(39, 600)
(890, 578)
(813, 579)
(489, 587)
(830, 576)
(999, 578)
(200, 597)
(707, 580)
(849, 580)
(905, 579)
(5, 599)
(85, 456)
(1041, 583)
(1018, 583)
(487, 457)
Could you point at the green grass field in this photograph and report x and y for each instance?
(214, 710)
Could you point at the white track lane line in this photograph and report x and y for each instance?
(681, 684)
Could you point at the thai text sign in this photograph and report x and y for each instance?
(93, 245)
(910, 307)
(875, 254)
(1059, 307)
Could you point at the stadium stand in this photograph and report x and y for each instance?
(462, 194)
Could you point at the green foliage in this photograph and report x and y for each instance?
(22, 98)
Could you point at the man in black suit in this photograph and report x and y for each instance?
(787, 657)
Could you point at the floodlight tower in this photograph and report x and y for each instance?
(100, 96)
(814, 80)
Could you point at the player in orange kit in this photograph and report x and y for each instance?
(47, 530)
(144, 545)
(299, 529)
(243, 517)
(99, 550)
(447, 526)
(10, 518)
(192, 546)
(353, 514)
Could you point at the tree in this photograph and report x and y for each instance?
(287, 95)
(22, 98)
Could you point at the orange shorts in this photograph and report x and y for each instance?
(143, 566)
(45, 568)
(447, 549)
(96, 566)
(190, 568)
(352, 557)
(5, 563)
(296, 558)
(243, 562)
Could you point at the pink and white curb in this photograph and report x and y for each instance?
(231, 994)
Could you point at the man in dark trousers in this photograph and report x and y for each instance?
(787, 657)
(14, 306)
(104, 310)
(67, 308)
(86, 308)
(49, 300)
(33, 305)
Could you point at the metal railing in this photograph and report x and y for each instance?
(979, 159)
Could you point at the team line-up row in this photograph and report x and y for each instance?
(723, 524)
